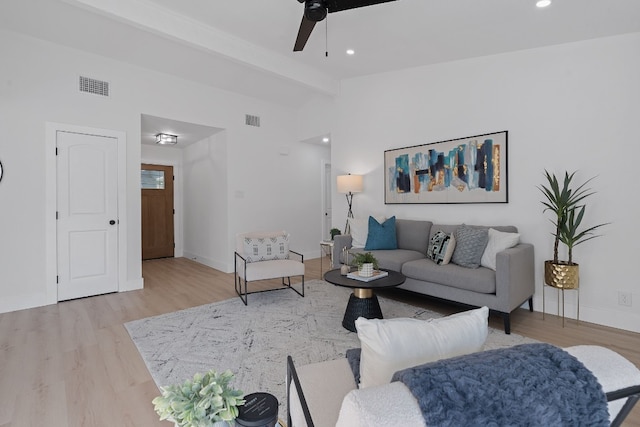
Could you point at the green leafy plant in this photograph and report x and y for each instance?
(568, 212)
(200, 402)
(334, 232)
(360, 258)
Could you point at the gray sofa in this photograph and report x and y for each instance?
(502, 290)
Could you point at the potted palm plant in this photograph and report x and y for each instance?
(206, 401)
(568, 207)
(366, 263)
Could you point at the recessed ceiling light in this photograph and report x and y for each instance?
(325, 139)
(350, 51)
(543, 3)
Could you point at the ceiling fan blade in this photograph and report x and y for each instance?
(306, 26)
(339, 5)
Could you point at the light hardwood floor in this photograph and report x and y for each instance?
(73, 364)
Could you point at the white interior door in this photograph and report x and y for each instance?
(87, 207)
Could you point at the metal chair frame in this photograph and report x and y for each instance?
(244, 294)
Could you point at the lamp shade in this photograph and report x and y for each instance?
(349, 183)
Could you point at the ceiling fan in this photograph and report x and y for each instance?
(316, 11)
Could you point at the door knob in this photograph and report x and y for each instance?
(113, 221)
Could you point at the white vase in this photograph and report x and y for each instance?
(366, 270)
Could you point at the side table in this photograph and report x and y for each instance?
(326, 249)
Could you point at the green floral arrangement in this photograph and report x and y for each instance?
(200, 402)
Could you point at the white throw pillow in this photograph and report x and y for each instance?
(498, 242)
(390, 345)
(360, 230)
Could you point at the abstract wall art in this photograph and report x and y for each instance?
(463, 170)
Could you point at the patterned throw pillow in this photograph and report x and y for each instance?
(266, 248)
(470, 244)
(441, 247)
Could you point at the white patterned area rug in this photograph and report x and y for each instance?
(253, 341)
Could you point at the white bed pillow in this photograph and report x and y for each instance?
(389, 345)
(498, 242)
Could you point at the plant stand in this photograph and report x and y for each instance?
(561, 290)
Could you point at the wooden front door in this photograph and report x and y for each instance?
(157, 211)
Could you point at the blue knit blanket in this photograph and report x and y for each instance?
(525, 385)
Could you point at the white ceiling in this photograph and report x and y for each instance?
(188, 133)
(246, 46)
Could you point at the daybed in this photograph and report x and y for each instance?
(503, 281)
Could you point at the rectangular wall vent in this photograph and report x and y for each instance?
(250, 120)
(97, 87)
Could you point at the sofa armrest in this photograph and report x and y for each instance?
(515, 276)
(340, 242)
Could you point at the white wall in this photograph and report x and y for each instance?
(568, 107)
(206, 196)
(38, 84)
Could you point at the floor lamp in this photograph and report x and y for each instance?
(349, 184)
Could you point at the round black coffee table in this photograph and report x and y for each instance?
(363, 302)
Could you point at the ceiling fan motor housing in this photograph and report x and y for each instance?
(315, 10)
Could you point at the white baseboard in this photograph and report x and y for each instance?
(22, 302)
(590, 314)
(221, 266)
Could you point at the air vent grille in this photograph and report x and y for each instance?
(250, 120)
(97, 87)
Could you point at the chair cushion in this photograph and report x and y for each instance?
(272, 269)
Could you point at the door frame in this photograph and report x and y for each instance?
(51, 185)
(178, 251)
(324, 192)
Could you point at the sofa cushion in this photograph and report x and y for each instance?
(498, 242)
(470, 245)
(389, 345)
(481, 279)
(392, 259)
(451, 228)
(441, 247)
(413, 234)
(381, 236)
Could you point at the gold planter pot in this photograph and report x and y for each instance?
(562, 275)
